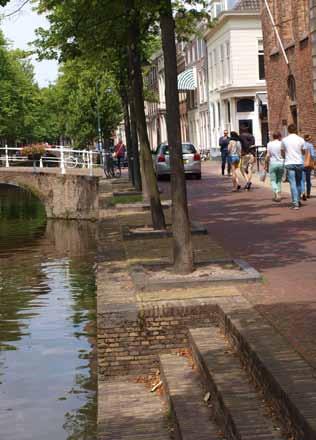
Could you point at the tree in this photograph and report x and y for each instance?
(19, 114)
(133, 41)
(182, 242)
(78, 97)
(80, 29)
(131, 22)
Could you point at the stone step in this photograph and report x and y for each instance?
(140, 206)
(185, 397)
(286, 379)
(127, 192)
(239, 411)
(106, 201)
(105, 214)
(129, 411)
(105, 186)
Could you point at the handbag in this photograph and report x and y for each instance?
(308, 160)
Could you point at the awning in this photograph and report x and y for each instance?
(187, 80)
(263, 97)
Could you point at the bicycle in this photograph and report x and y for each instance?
(73, 162)
(205, 154)
(111, 167)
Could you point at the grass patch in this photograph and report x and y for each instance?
(125, 199)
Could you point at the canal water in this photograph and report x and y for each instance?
(47, 323)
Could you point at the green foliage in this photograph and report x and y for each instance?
(90, 39)
(82, 89)
(67, 109)
(126, 199)
(19, 96)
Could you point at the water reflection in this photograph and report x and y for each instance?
(47, 323)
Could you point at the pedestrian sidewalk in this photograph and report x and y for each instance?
(279, 242)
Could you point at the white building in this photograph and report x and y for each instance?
(197, 102)
(156, 107)
(236, 80)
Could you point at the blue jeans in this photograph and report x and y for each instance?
(224, 154)
(306, 181)
(294, 173)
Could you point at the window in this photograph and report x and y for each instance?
(211, 70)
(227, 69)
(262, 75)
(245, 105)
(231, 4)
(213, 115)
(215, 67)
(201, 91)
(201, 49)
(228, 112)
(216, 9)
(222, 69)
(291, 84)
(246, 124)
(186, 149)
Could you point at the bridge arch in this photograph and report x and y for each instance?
(40, 196)
(64, 196)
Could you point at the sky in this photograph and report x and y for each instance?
(20, 30)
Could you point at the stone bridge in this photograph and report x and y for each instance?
(68, 196)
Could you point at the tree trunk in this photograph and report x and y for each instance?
(139, 182)
(157, 214)
(128, 135)
(182, 241)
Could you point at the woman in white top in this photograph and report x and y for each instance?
(276, 165)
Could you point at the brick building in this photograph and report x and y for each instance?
(290, 54)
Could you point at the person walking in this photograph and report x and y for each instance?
(223, 143)
(120, 150)
(306, 183)
(275, 165)
(234, 153)
(247, 157)
(293, 151)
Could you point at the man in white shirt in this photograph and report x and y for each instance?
(293, 151)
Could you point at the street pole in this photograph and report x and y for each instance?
(99, 123)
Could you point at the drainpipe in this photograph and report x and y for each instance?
(208, 96)
(276, 31)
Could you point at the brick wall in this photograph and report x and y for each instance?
(131, 337)
(294, 28)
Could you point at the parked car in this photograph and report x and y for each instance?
(191, 160)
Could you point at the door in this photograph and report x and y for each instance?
(246, 123)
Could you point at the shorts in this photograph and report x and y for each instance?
(247, 162)
(233, 160)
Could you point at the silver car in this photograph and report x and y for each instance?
(191, 160)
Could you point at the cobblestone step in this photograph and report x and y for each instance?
(185, 397)
(238, 409)
(128, 411)
(286, 379)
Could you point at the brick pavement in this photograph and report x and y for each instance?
(277, 241)
(128, 411)
(240, 322)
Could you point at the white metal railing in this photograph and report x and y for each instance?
(62, 157)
